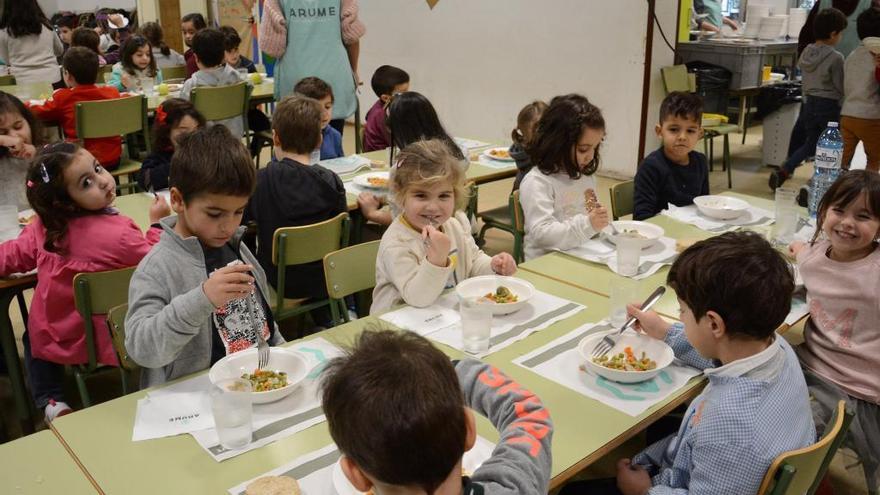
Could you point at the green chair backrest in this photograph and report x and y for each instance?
(800, 471)
(96, 293)
(104, 69)
(676, 78)
(129, 117)
(7, 80)
(350, 270)
(116, 322)
(622, 199)
(174, 72)
(470, 208)
(516, 212)
(221, 102)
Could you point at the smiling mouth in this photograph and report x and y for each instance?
(845, 235)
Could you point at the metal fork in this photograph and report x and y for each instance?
(262, 345)
(607, 343)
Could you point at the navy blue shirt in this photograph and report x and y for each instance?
(331, 146)
(660, 181)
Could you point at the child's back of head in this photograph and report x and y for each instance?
(868, 23)
(828, 22)
(153, 32)
(386, 79)
(209, 46)
(212, 161)
(395, 408)
(81, 64)
(411, 117)
(526, 120)
(85, 37)
(739, 276)
(297, 124)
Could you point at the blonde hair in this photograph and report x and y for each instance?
(424, 164)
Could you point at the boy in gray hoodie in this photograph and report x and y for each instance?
(199, 294)
(402, 415)
(822, 70)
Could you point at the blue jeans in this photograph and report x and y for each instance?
(815, 114)
(45, 378)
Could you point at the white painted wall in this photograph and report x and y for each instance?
(480, 62)
(52, 6)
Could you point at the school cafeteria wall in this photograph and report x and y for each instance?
(149, 9)
(480, 62)
(52, 6)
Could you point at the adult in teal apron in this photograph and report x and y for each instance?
(315, 48)
(712, 9)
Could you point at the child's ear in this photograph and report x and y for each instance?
(177, 201)
(657, 129)
(276, 141)
(385, 99)
(354, 474)
(716, 324)
(471, 424)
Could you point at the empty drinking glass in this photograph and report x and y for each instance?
(623, 291)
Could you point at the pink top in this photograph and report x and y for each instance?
(94, 243)
(375, 134)
(842, 337)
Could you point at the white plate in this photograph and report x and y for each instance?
(477, 287)
(721, 207)
(470, 462)
(364, 180)
(650, 231)
(280, 359)
(657, 350)
(488, 154)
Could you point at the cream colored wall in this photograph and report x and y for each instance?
(149, 9)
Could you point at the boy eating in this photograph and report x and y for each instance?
(199, 294)
(391, 375)
(675, 173)
(331, 139)
(734, 291)
(386, 82)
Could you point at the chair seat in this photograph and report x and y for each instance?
(500, 215)
(721, 129)
(126, 166)
(289, 303)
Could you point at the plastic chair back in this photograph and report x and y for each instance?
(519, 221)
(96, 293)
(349, 271)
(174, 72)
(222, 102)
(129, 117)
(676, 78)
(116, 322)
(622, 199)
(800, 471)
(8, 80)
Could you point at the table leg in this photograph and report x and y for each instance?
(741, 118)
(16, 373)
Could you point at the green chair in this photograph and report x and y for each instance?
(129, 119)
(299, 245)
(94, 294)
(116, 323)
(622, 199)
(349, 271)
(104, 69)
(800, 471)
(174, 72)
(224, 102)
(509, 219)
(7, 80)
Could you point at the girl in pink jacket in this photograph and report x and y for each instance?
(75, 230)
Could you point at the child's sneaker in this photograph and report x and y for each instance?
(777, 178)
(56, 409)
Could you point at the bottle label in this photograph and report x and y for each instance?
(828, 157)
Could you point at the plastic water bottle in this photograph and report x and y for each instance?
(829, 151)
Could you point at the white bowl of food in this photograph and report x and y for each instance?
(646, 233)
(284, 373)
(505, 295)
(721, 207)
(616, 367)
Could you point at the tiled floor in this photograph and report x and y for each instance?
(749, 177)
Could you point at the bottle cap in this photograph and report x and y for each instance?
(832, 124)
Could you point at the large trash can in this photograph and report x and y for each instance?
(713, 83)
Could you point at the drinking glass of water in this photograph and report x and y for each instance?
(629, 251)
(476, 325)
(231, 405)
(785, 225)
(147, 84)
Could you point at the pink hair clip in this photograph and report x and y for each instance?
(30, 183)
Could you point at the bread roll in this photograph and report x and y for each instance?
(273, 485)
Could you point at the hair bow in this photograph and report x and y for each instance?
(161, 116)
(44, 173)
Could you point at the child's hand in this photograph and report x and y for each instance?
(159, 209)
(17, 147)
(503, 264)
(27, 151)
(128, 82)
(632, 479)
(648, 321)
(437, 246)
(369, 204)
(228, 283)
(598, 217)
(796, 247)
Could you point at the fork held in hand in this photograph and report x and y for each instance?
(607, 343)
(262, 345)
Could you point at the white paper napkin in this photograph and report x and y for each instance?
(171, 414)
(468, 145)
(753, 217)
(345, 165)
(561, 362)
(651, 259)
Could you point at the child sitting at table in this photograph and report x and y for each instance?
(190, 24)
(734, 291)
(257, 120)
(20, 135)
(410, 118)
(428, 248)
(387, 374)
(331, 139)
(164, 55)
(175, 118)
(675, 173)
(522, 135)
(75, 230)
(191, 299)
(136, 63)
(841, 352)
(80, 71)
(208, 46)
(292, 192)
(558, 195)
(386, 82)
(83, 36)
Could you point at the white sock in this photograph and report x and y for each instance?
(53, 409)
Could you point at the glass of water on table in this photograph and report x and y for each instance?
(476, 325)
(232, 409)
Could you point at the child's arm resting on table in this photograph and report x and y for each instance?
(521, 461)
(19, 255)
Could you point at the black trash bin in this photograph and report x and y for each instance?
(713, 84)
(772, 98)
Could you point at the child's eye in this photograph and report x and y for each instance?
(214, 215)
(86, 183)
(98, 168)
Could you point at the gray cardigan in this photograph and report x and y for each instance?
(168, 325)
